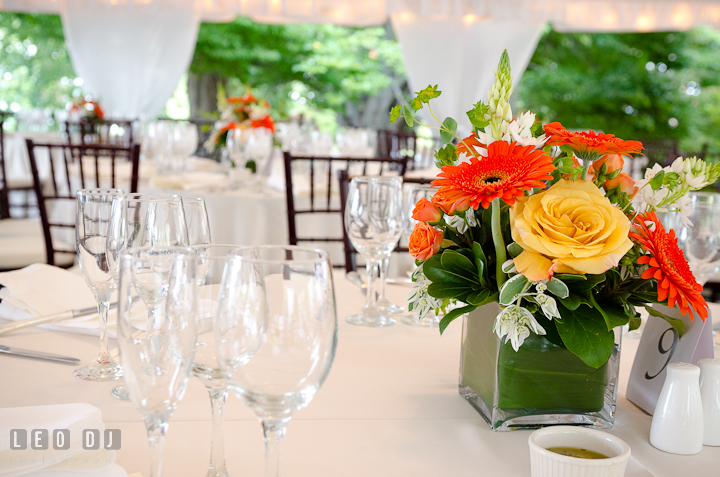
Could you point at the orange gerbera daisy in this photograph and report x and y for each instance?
(506, 172)
(247, 99)
(472, 142)
(590, 145)
(265, 122)
(675, 280)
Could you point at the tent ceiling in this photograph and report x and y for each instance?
(565, 15)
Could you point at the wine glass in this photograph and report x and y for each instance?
(374, 223)
(140, 220)
(211, 264)
(700, 242)
(157, 358)
(184, 143)
(276, 333)
(196, 219)
(417, 192)
(91, 230)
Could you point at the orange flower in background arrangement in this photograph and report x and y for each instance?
(507, 171)
(675, 280)
(472, 142)
(265, 122)
(425, 241)
(589, 144)
(247, 99)
(228, 126)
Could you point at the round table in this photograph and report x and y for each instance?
(390, 407)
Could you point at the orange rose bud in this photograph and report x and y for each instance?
(612, 163)
(425, 211)
(425, 241)
(625, 182)
(451, 206)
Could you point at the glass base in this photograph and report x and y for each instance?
(430, 320)
(121, 393)
(387, 308)
(377, 321)
(98, 371)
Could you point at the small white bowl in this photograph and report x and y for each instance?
(545, 463)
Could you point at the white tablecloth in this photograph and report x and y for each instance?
(389, 407)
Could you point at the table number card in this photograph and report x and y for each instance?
(659, 346)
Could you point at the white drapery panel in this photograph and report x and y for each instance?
(130, 56)
(460, 57)
(565, 15)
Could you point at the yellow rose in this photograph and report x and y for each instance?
(569, 228)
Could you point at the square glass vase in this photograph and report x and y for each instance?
(542, 384)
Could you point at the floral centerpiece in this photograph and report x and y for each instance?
(240, 112)
(546, 248)
(87, 109)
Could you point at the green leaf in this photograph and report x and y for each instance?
(590, 282)
(424, 96)
(450, 316)
(657, 181)
(407, 114)
(634, 323)
(481, 263)
(558, 288)
(477, 297)
(572, 302)
(585, 334)
(456, 262)
(614, 315)
(444, 290)
(477, 115)
(570, 277)
(446, 156)
(447, 131)
(251, 165)
(395, 113)
(512, 288)
(514, 249)
(674, 322)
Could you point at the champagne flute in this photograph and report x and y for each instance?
(417, 192)
(276, 333)
(211, 262)
(197, 221)
(140, 220)
(157, 359)
(374, 223)
(91, 230)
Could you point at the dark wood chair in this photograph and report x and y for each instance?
(4, 193)
(348, 250)
(325, 200)
(70, 168)
(397, 144)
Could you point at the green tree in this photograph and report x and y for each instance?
(35, 69)
(645, 86)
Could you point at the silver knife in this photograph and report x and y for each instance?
(37, 354)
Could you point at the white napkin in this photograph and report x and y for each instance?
(196, 163)
(41, 289)
(196, 180)
(52, 462)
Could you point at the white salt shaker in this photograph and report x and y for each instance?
(677, 425)
(710, 393)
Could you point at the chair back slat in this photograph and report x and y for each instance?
(67, 175)
(4, 193)
(325, 203)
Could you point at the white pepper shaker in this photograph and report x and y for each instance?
(710, 394)
(677, 425)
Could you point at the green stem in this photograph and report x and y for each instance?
(500, 254)
(586, 167)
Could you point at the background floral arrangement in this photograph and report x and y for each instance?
(543, 221)
(87, 109)
(240, 112)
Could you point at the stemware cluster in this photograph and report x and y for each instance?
(170, 143)
(375, 218)
(260, 321)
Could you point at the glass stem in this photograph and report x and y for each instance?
(372, 271)
(384, 265)
(218, 398)
(156, 427)
(273, 432)
(103, 310)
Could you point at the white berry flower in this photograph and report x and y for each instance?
(514, 323)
